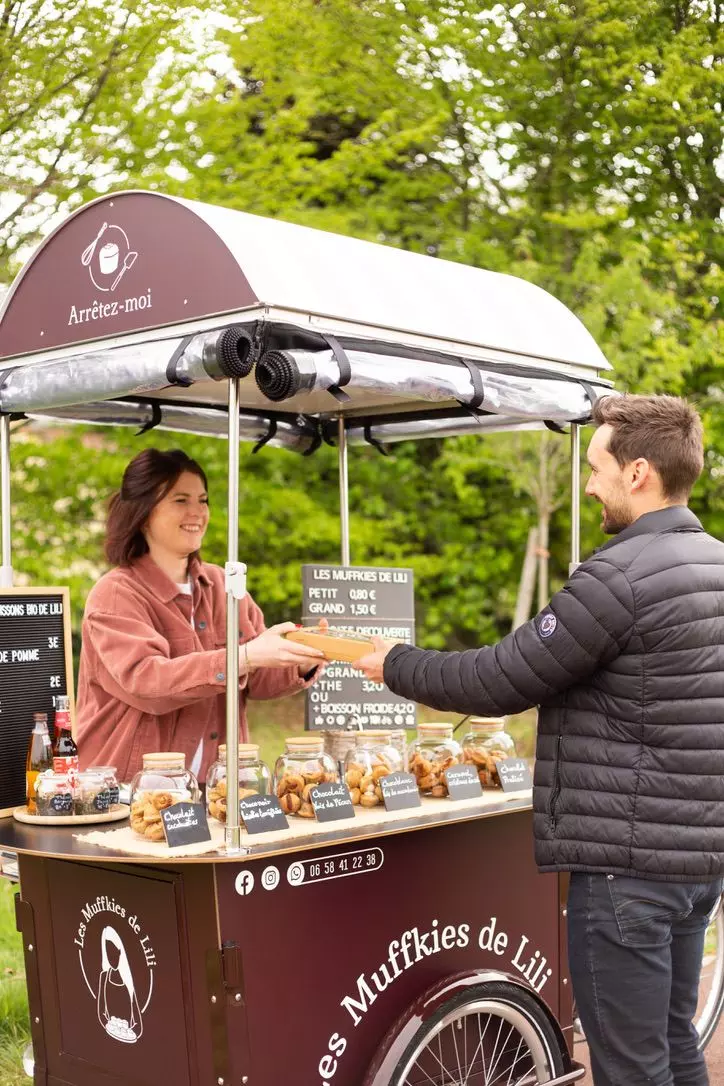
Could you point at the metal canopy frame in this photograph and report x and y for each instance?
(328, 291)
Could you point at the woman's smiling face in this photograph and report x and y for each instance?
(177, 522)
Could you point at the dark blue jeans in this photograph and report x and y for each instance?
(635, 948)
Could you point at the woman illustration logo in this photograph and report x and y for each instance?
(118, 1010)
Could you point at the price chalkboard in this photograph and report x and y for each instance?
(261, 814)
(514, 774)
(36, 664)
(374, 600)
(400, 791)
(463, 782)
(185, 824)
(331, 802)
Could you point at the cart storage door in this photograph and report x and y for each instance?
(109, 975)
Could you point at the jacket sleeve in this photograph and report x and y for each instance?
(267, 682)
(139, 669)
(586, 625)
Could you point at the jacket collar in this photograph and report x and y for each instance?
(159, 583)
(674, 518)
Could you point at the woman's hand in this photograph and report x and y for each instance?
(271, 649)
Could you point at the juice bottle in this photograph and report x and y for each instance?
(40, 756)
(65, 751)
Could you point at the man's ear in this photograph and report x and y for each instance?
(642, 471)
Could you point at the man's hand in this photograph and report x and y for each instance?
(373, 664)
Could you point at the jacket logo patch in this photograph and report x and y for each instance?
(547, 625)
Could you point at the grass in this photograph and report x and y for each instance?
(14, 1023)
(270, 723)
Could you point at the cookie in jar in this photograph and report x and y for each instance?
(163, 781)
(303, 765)
(254, 779)
(486, 744)
(432, 753)
(373, 758)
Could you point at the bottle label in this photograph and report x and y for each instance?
(62, 803)
(66, 764)
(102, 801)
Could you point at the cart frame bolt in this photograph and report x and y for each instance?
(31, 947)
(237, 997)
(220, 1081)
(37, 1021)
(244, 1080)
(213, 999)
(565, 912)
(565, 980)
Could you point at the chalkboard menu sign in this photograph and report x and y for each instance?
(36, 664)
(374, 600)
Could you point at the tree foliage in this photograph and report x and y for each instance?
(576, 144)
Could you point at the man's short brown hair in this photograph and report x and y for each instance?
(664, 430)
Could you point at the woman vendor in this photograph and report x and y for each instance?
(153, 659)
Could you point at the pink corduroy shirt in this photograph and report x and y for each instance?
(151, 681)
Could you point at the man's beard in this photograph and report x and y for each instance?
(617, 515)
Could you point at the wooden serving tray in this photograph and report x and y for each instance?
(21, 814)
(335, 646)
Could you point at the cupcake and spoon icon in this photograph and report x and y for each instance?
(103, 258)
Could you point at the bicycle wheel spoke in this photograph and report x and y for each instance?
(455, 1043)
(496, 1061)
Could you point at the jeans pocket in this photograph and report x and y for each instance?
(645, 910)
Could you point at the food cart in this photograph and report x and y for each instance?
(420, 947)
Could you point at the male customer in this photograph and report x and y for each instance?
(627, 666)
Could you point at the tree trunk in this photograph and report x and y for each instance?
(543, 532)
(526, 585)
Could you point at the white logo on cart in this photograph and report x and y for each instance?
(244, 883)
(118, 1010)
(270, 877)
(108, 257)
(117, 973)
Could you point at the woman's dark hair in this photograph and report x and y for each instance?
(147, 479)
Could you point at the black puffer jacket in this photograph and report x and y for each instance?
(627, 666)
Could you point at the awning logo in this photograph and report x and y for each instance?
(108, 257)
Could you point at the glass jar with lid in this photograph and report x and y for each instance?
(485, 745)
(53, 795)
(92, 794)
(303, 765)
(254, 779)
(431, 754)
(163, 781)
(110, 776)
(373, 758)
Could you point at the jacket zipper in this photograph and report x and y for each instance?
(556, 790)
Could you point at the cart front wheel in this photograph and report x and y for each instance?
(490, 1035)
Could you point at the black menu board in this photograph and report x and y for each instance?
(36, 664)
(374, 600)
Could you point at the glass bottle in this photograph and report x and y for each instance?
(39, 758)
(254, 779)
(303, 765)
(163, 781)
(65, 751)
(485, 745)
(373, 758)
(431, 754)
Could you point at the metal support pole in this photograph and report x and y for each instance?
(575, 497)
(233, 831)
(343, 489)
(6, 570)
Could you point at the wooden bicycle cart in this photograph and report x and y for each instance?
(394, 949)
